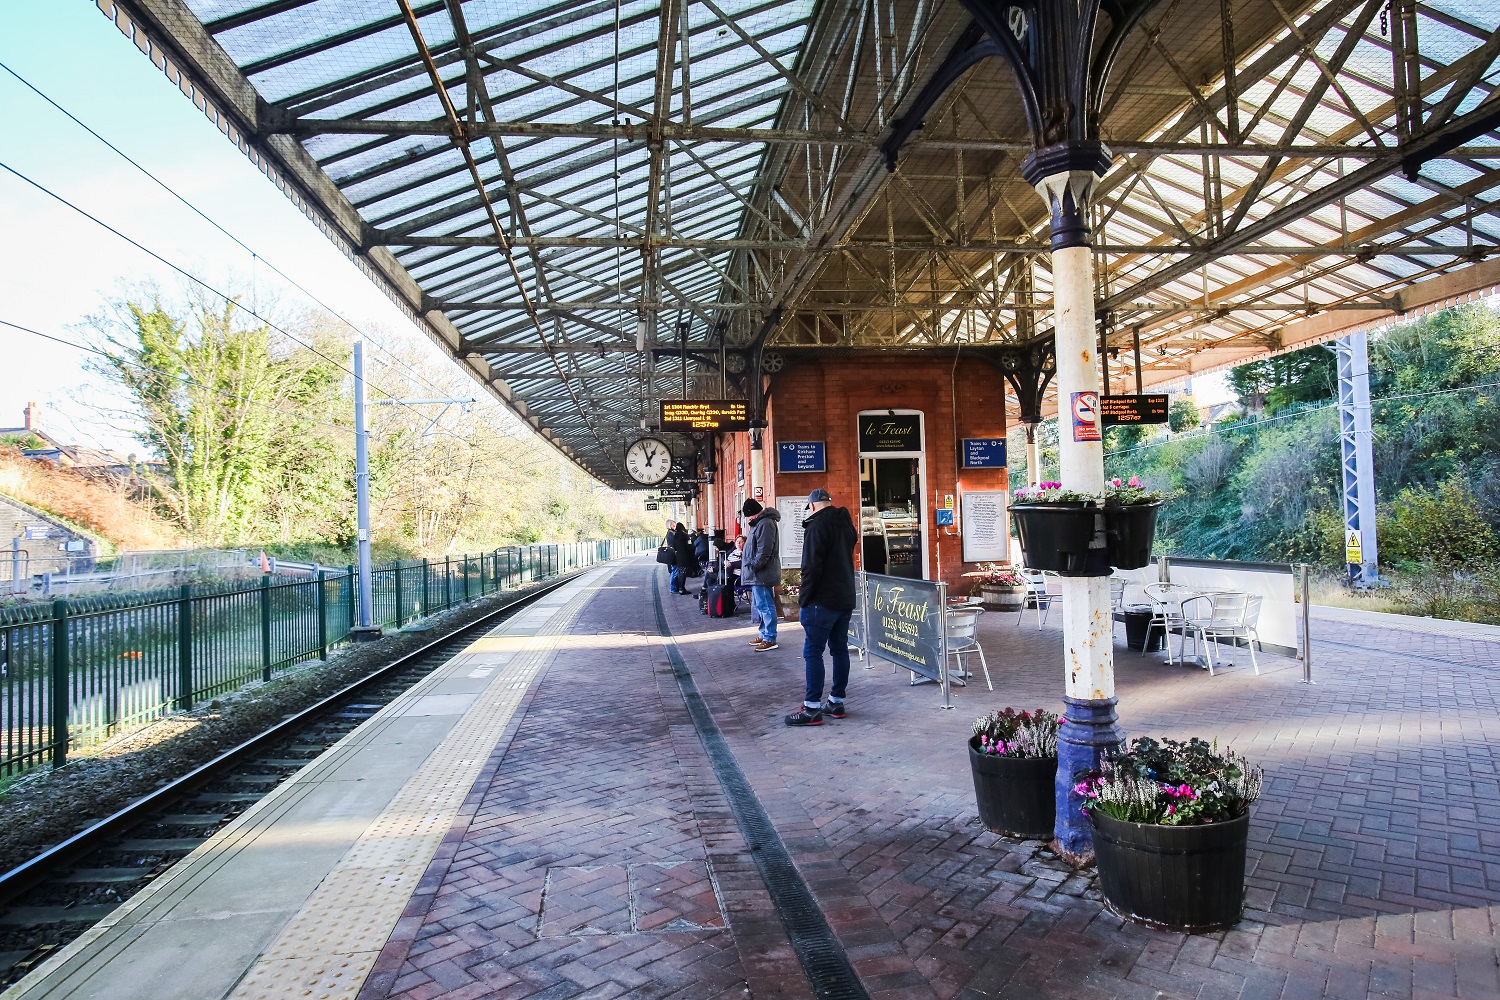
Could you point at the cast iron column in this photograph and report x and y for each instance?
(1065, 175)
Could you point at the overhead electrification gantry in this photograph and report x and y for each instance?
(545, 186)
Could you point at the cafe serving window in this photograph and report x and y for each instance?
(891, 467)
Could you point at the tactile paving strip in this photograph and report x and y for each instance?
(327, 950)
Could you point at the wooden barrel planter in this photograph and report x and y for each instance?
(1187, 878)
(998, 598)
(1016, 795)
(1067, 539)
(1131, 530)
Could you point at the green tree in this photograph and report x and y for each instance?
(233, 409)
(1183, 415)
(1273, 384)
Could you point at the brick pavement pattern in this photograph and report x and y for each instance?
(1374, 866)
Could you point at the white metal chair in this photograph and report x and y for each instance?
(1166, 600)
(1037, 598)
(1232, 616)
(963, 640)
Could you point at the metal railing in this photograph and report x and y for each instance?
(92, 668)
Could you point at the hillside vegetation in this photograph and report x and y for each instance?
(100, 507)
(1267, 485)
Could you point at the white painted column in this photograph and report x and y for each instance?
(1088, 625)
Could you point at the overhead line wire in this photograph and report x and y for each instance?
(177, 378)
(212, 222)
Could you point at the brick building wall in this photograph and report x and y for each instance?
(820, 400)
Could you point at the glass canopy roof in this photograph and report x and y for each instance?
(546, 188)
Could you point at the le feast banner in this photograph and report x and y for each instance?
(906, 623)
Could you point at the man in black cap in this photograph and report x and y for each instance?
(827, 600)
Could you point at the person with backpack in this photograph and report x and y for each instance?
(827, 598)
(761, 570)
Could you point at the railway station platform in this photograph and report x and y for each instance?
(566, 809)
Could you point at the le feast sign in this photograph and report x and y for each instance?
(705, 415)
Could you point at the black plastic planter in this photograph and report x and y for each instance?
(1131, 530)
(1187, 878)
(1015, 794)
(1067, 539)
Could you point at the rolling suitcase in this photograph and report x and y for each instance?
(721, 602)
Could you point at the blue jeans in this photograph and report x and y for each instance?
(825, 627)
(678, 578)
(763, 604)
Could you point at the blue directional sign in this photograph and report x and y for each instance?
(984, 453)
(801, 456)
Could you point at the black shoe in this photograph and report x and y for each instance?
(834, 710)
(806, 717)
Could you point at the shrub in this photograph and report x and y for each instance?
(1008, 733)
(1171, 783)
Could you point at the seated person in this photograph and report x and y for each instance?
(734, 560)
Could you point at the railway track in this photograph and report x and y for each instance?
(56, 896)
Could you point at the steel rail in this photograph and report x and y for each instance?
(31, 873)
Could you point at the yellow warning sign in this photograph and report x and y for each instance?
(1353, 550)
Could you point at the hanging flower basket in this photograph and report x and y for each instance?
(1131, 530)
(1065, 538)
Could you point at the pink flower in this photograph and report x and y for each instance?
(1171, 810)
(1134, 481)
(1115, 482)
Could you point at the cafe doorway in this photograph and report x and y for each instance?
(892, 497)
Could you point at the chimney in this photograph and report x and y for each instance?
(33, 416)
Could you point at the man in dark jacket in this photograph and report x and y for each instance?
(687, 560)
(761, 569)
(827, 599)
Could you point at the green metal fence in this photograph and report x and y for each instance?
(92, 668)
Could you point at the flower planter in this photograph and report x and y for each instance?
(1015, 794)
(1187, 878)
(997, 598)
(1067, 539)
(1131, 530)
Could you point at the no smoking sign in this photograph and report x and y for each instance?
(1086, 416)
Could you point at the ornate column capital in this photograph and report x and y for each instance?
(1065, 176)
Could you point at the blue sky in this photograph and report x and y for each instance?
(57, 268)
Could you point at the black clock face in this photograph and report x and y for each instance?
(648, 461)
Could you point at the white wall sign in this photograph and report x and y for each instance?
(791, 509)
(983, 518)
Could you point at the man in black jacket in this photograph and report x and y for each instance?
(827, 600)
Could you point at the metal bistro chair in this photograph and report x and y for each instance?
(1232, 616)
(1166, 600)
(1037, 598)
(963, 639)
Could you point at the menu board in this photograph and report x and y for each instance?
(985, 536)
(705, 415)
(792, 509)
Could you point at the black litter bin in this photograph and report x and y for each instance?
(1137, 624)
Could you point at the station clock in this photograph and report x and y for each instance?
(648, 461)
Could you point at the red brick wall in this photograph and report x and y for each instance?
(820, 401)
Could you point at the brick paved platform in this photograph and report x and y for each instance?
(597, 857)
